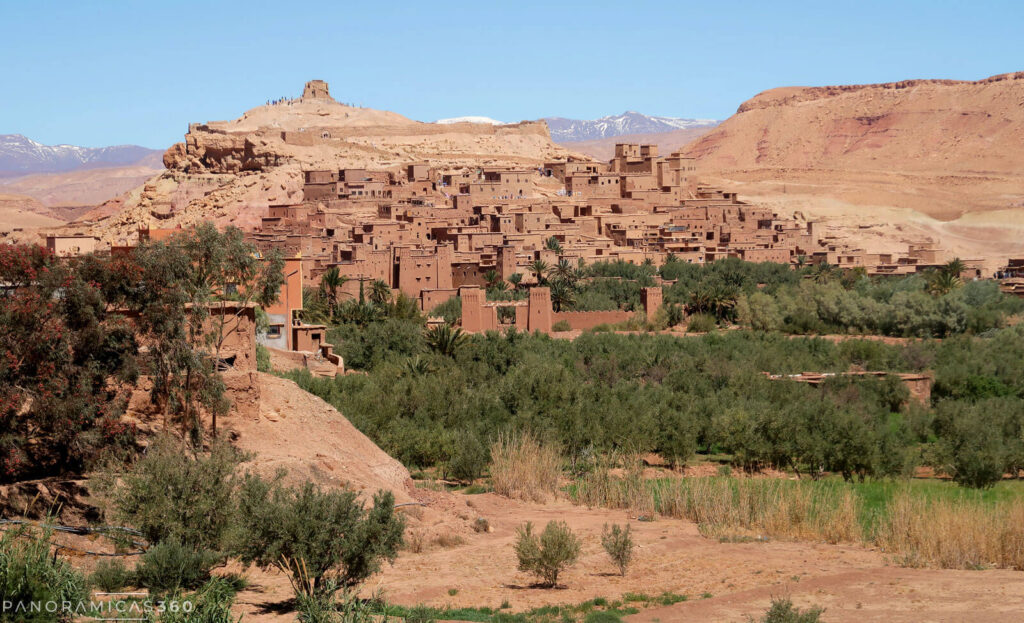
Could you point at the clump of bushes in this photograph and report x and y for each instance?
(783, 611)
(196, 511)
(169, 566)
(323, 540)
(110, 575)
(171, 493)
(546, 554)
(701, 323)
(618, 544)
(469, 460)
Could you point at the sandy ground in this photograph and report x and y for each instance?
(853, 583)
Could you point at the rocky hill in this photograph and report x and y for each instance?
(929, 126)
(316, 131)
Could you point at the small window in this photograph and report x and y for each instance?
(315, 337)
(274, 332)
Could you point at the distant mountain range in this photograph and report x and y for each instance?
(20, 155)
(628, 123)
(470, 119)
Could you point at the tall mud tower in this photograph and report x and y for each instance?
(316, 89)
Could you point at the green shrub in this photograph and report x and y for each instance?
(561, 325)
(263, 358)
(420, 614)
(317, 608)
(674, 314)
(110, 575)
(470, 459)
(323, 539)
(170, 566)
(701, 323)
(30, 573)
(450, 310)
(171, 494)
(602, 616)
(618, 544)
(783, 611)
(547, 554)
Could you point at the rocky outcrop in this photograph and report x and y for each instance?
(207, 150)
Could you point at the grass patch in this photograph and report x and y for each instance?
(596, 610)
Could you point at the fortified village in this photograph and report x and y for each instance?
(434, 233)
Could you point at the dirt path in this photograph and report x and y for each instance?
(874, 594)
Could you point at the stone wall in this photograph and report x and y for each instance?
(583, 320)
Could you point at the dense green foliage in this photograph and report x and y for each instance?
(675, 396)
(813, 299)
(64, 361)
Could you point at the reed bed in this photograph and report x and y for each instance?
(912, 525)
(524, 468)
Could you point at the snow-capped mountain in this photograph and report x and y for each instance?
(630, 122)
(470, 119)
(20, 155)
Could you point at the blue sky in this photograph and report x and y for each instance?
(100, 73)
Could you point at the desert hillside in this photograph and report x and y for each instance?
(884, 163)
(917, 126)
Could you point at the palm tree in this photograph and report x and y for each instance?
(955, 267)
(942, 282)
(823, 272)
(563, 270)
(332, 281)
(515, 279)
(554, 245)
(445, 339)
(716, 299)
(562, 294)
(581, 270)
(539, 268)
(416, 366)
(380, 293)
(492, 278)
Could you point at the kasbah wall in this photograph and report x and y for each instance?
(536, 314)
